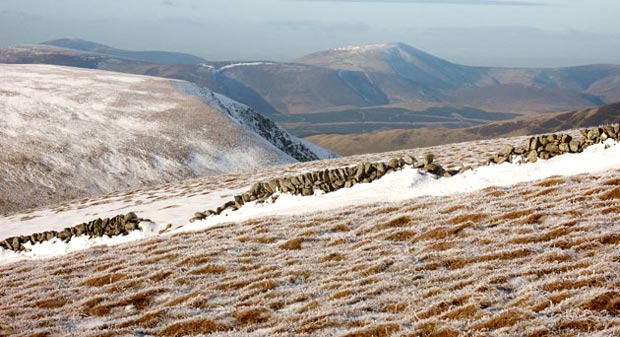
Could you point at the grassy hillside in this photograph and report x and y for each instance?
(521, 260)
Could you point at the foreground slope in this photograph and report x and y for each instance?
(530, 258)
(389, 140)
(71, 133)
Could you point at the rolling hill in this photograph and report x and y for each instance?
(500, 250)
(396, 139)
(71, 133)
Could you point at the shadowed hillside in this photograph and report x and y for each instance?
(390, 140)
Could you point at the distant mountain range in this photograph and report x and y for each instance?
(348, 144)
(70, 133)
(161, 57)
(361, 89)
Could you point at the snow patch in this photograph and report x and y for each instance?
(246, 64)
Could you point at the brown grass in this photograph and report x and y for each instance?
(104, 280)
(470, 217)
(293, 244)
(608, 302)
(252, 316)
(401, 221)
(209, 269)
(551, 182)
(504, 319)
(334, 257)
(50, 303)
(193, 327)
(612, 182)
(611, 195)
(382, 330)
(264, 285)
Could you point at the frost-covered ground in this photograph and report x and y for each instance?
(70, 133)
(507, 250)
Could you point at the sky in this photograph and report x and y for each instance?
(532, 33)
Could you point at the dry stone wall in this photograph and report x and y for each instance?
(118, 225)
(330, 180)
(549, 146)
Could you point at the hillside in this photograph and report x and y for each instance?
(71, 133)
(498, 250)
(160, 57)
(390, 140)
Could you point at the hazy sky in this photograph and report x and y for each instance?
(476, 32)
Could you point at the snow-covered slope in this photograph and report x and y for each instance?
(69, 133)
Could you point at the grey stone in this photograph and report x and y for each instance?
(566, 138)
(380, 168)
(16, 243)
(532, 156)
(409, 160)
(434, 168)
(428, 159)
(130, 216)
(368, 169)
(80, 229)
(552, 148)
(393, 163)
(534, 143)
(359, 172)
(594, 133)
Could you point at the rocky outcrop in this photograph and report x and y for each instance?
(118, 225)
(537, 147)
